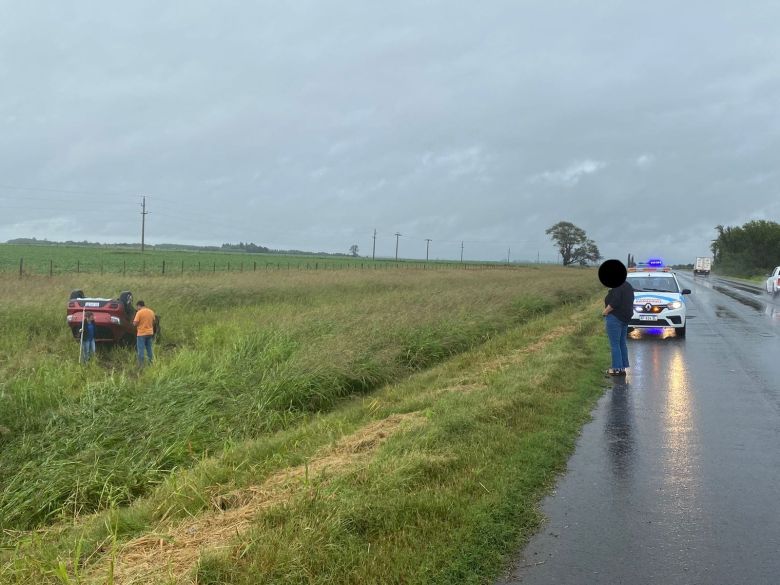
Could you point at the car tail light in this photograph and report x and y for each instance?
(113, 306)
(71, 305)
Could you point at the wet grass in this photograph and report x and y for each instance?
(257, 375)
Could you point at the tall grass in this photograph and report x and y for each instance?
(443, 499)
(242, 357)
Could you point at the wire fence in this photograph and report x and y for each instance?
(173, 268)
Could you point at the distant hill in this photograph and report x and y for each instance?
(244, 247)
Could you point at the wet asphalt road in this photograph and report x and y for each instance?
(677, 478)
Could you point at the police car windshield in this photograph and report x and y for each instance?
(653, 284)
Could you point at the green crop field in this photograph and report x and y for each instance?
(56, 260)
(375, 426)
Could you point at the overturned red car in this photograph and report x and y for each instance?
(113, 317)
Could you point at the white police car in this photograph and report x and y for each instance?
(658, 299)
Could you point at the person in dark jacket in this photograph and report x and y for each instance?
(88, 337)
(618, 309)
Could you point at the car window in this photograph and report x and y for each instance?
(653, 284)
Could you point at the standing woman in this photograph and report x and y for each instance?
(88, 337)
(618, 309)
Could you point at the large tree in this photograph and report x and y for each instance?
(573, 244)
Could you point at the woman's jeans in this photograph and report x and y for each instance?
(617, 331)
(87, 349)
(144, 342)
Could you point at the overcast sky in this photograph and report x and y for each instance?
(308, 124)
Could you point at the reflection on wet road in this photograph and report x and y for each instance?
(677, 478)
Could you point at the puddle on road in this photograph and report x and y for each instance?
(739, 298)
(723, 312)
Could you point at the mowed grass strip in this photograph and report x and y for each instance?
(445, 502)
(241, 358)
(443, 498)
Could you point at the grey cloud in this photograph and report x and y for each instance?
(309, 124)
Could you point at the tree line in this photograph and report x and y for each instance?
(750, 249)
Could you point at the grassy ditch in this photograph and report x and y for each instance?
(242, 358)
(433, 479)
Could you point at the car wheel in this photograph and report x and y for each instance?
(681, 331)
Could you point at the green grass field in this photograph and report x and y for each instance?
(57, 260)
(297, 427)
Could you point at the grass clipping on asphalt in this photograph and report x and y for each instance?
(439, 483)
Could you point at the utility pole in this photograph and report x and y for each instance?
(397, 235)
(144, 213)
(508, 254)
(427, 247)
(461, 252)
(373, 250)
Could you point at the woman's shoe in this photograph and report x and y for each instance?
(613, 372)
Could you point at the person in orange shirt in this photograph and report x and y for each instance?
(144, 323)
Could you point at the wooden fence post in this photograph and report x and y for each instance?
(163, 267)
(78, 266)
(182, 266)
(51, 267)
(21, 267)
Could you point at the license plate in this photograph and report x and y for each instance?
(646, 318)
(92, 304)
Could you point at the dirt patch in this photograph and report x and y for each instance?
(170, 553)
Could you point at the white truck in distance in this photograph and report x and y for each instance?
(703, 265)
(773, 282)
